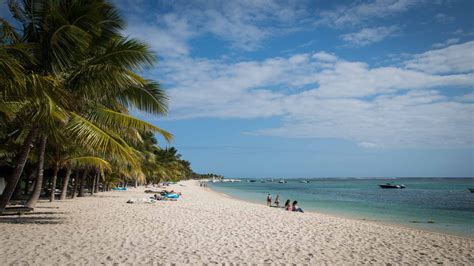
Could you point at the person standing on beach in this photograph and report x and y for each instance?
(269, 200)
(277, 201)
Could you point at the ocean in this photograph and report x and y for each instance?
(435, 204)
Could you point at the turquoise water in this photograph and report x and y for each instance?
(436, 204)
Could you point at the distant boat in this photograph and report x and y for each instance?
(253, 180)
(471, 189)
(282, 181)
(389, 185)
(304, 181)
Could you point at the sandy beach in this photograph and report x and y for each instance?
(208, 227)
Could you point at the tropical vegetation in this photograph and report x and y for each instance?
(69, 84)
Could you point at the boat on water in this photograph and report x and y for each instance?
(390, 185)
(253, 180)
(471, 189)
(282, 182)
(304, 181)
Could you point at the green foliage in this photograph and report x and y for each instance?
(71, 74)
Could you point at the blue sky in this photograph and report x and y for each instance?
(315, 88)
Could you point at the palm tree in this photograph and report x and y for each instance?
(78, 54)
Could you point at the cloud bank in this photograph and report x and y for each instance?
(318, 95)
(315, 94)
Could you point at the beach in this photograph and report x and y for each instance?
(209, 227)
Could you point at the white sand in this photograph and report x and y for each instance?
(208, 227)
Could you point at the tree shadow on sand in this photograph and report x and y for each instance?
(31, 218)
(106, 196)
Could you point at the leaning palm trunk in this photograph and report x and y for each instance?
(65, 184)
(21, 160)
(53, 182)
(39, 175)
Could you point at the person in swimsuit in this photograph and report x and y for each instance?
(295, 207)
(287, 205)
(277, 201)
(269, 200)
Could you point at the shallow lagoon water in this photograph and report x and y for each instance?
(436, 204)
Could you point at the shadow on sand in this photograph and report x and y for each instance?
(29, 219)
(39, 217)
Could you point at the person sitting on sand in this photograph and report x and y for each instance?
(287, 205)
(277, 201)
(295, 207)
(165, 192)
(269, 200)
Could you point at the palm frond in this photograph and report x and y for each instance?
(149, 98)
(91, 135)
(118, 120)
(89, 162)
(67, 43)
(126, 53)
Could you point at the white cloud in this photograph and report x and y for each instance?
(318, 95)
(360, 12)
(415, 119)
(448, 42)
(323, 56)
(244, 24)
(466, 98)
(461, 32)
(441, 17)
(369, 35)
(368, 145)
(165, 41)
(457, 58)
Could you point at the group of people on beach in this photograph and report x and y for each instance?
(288, 207)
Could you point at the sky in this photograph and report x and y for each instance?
(266, 88)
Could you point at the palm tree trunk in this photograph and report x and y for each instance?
(65, 184)
(81, 183)
(53, 182)
(18, 191)
(15, 176)
(39, 175)
(28, 179)
(74, 188)
(97, 183)
(93, 184)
